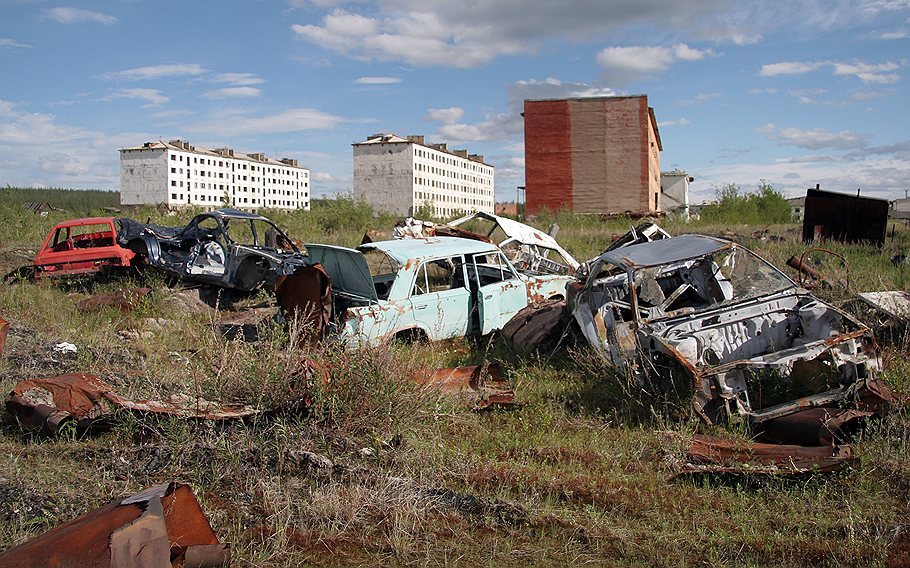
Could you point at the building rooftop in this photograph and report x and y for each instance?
(183, 146)
(390, 138)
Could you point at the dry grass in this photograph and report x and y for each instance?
(577, 474)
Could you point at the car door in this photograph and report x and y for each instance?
(500, 292)
(440, 301)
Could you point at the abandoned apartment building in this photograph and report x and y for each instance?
(177, 173)
(592, 155)
(402, 175)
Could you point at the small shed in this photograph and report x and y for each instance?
(845, 218)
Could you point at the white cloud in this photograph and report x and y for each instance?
(153, 96)
(893, 35)
(819, 138)
(627, 63)
(449, 115)
(877, 73)
(40, 151)
(156, 72)
(766, 128)
(239, 123)
(377, 80)
(7, 42)
(869, 72)
(789, 68)
(238, 79)
(667, 123)
(699, 99)
(78, 16)
(233, 93)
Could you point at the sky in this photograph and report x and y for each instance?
(796, 93)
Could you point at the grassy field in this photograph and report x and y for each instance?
(578, 474)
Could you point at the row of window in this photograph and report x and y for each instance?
(291, 172)
(235, 200)
(460, 162)
(449, 173)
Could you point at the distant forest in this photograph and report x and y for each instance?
(73, 200)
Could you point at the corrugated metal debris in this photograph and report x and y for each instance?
(160, 526)
(87, 401)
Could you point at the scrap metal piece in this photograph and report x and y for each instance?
(160, 526)
(4, 330)
(814, 426)
(711, 454)
(123, 300)
(483, 385)
(48, 403)
(307, 295)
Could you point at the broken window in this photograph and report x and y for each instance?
(383, 269)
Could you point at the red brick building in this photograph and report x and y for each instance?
(592, 155)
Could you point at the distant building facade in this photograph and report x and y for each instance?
(176, 173)
(797, 208)
(401, 175)
(592, 155)
(674, 188)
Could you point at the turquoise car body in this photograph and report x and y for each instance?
(434, 288)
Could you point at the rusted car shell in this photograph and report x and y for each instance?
(715, 313)
(67, 251)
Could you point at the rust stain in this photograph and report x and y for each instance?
(123, 300)
(4, 330)
(484, 385)
(307, 295)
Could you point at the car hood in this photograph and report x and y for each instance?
(346, 267)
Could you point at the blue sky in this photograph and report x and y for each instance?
(796, 93)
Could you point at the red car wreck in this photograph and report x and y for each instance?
(81, 246)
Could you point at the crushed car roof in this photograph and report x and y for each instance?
(228, 213)
(665, 251)
(403, 250)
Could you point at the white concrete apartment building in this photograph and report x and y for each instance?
(176, 173)
(401, 175)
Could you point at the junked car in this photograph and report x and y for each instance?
(81, 246)
(751, 344)
(225, 247)
(432, 288)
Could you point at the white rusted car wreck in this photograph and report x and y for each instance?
(710, 313)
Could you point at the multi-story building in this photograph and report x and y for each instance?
(592, 155)
(402, 175)
(176, 173)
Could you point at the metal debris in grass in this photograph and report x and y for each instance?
(160, 526)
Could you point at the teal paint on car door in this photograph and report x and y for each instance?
(500, 292)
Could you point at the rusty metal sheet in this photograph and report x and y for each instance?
(814, 426)
(50, 402)
(4, 330)
(711, 454)
(484, 385)
(123, 300)
(307, 295)
(160, 526)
